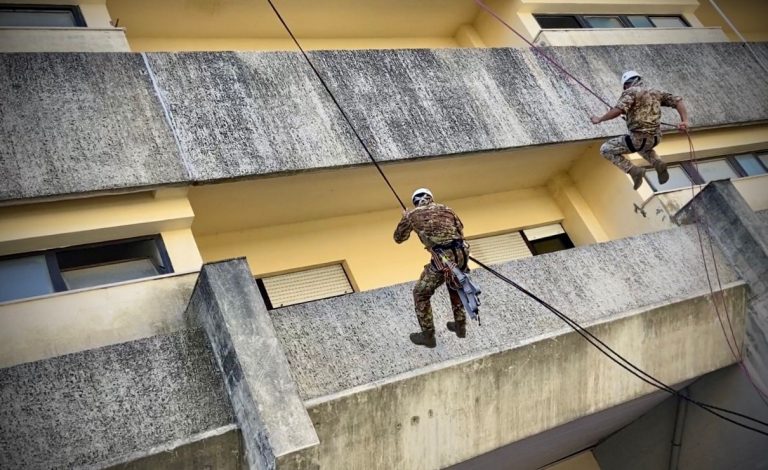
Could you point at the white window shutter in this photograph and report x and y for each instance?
(307, 285)
(499, 248)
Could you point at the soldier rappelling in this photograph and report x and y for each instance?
(642, 107)
(441, 232)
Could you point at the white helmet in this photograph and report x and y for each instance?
(629, 75)
(420, 195)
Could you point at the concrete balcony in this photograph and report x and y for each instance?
(178, 118)
(32, 39)
(628, 36)
(336, 383)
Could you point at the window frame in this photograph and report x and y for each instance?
(77, 14)
(691, 171)
(581, 19)
(54, 271)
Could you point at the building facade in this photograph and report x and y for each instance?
(196, 256)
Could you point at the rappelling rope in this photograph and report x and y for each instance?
(692, 156)
(594, 341)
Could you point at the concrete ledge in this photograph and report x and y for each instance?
(101, 406)
(269, 411)
(178, 117)
(451, 412)
(68, 322)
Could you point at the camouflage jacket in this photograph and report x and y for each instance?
(642, 107)
(435, 224)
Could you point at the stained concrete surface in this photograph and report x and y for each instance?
(339, 343)
(73, 123)
(87, 409)
(78, 122)
(266, 404)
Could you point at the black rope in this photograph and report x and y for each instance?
(589, 337)
(621, 360)
(336, 102)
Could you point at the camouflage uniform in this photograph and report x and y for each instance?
(642, 107)
(439, 229)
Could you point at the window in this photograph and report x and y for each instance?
(604, 21)
(517, 245)
(687, 173)
(64, 269)
(715, 170)
(752, 164)
(55, 16)
(609, 21)
(678, 178)
(304, 286)
(668, 21)
(547, 239)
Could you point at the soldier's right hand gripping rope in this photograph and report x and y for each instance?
(459, 281)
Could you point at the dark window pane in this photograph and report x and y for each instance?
(37, 17)
(764, 158)
(24, 277)
(604, 21)
(551, 244)
(640, 21)
(558, 22)
(749, 164)
(668, 22)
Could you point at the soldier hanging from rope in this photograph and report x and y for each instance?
(441, 232)
(642, 107)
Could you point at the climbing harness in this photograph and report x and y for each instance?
(457, 280)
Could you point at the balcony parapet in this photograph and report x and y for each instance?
(79, 123)
(628, 36)
(39, 39)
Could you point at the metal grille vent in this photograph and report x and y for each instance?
(307, 285)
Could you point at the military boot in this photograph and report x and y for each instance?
(637, 174)
(661, 171)
(460, 328)
(424, 338)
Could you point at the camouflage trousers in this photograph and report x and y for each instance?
(425, 287)
(614, 149)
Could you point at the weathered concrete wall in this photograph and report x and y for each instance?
(92, 122)
(36, 39)
(742, 236)
(340, 343)
(72, 123)
(455, 410)
(102, 406)
(269, 411)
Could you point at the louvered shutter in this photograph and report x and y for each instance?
(306, 285)
(499, 248)
(543, 232)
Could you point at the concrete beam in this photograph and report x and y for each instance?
(271, 416)
(203, 117)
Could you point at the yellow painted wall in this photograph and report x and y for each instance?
(41, 226)
(166, 44)
(365, 242)
(608, 191)
(582, 461)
